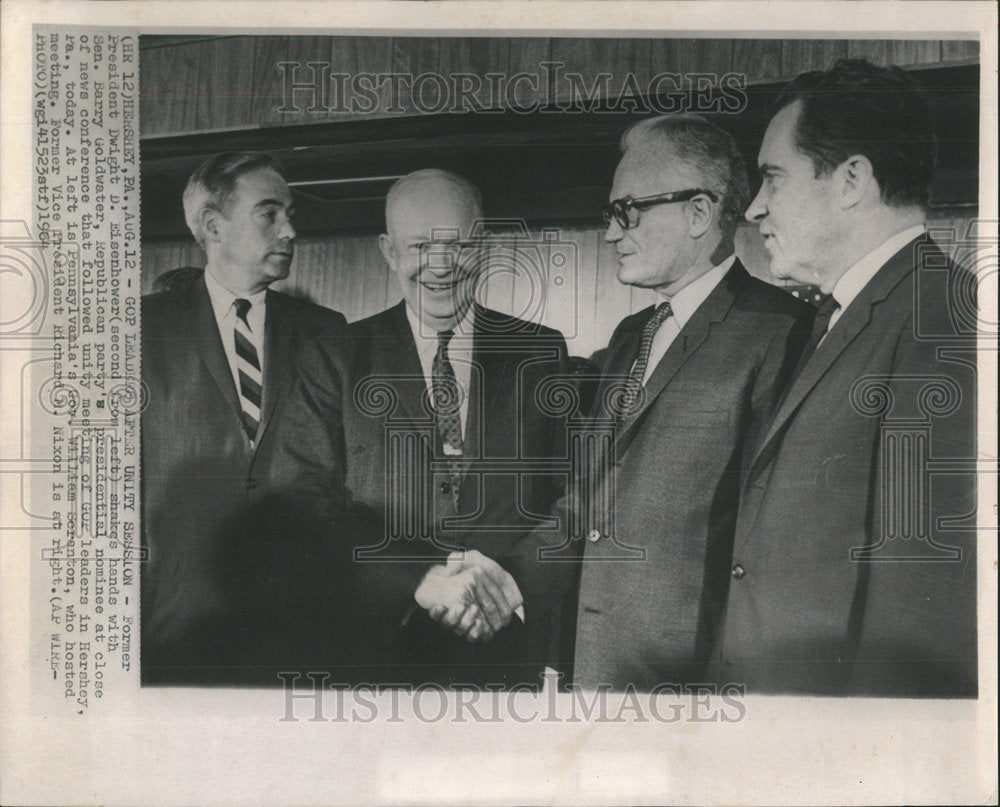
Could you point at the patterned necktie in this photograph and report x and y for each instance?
(248, 368)
(447, 411)
(634, 384)
(821, 325)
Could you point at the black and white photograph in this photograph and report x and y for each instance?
(609, 402)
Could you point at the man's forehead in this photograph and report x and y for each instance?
(651, 168)
(262, 184)
(436, 213)
(779, 141)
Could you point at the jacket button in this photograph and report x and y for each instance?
(251, 483)
(739, 572)
(594, 536)
(445, 487)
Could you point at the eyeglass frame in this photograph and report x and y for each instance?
(627, 203)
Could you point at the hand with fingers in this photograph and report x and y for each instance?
(470, 595)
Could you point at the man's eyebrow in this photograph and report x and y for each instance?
(270, 203)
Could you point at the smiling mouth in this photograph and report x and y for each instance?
(438, 286)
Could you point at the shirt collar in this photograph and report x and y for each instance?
(685, 302)
(222, 298)
(858, 276)
(427, 340)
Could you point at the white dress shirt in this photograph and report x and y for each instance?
(683, 304)
(459, 354)
(224, 306)
(858, 276)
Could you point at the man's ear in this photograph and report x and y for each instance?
(210, 224)
(388, 250)
(700, 211)
(856, 180)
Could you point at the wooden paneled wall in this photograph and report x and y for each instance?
(581, 298)
(192, 84)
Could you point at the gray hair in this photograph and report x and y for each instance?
(213, 183)
(706, 147)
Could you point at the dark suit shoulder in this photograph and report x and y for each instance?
(492, 322)
(376, 324)
(163, 308)
(768, 298)
(309, 317)
(631, 323)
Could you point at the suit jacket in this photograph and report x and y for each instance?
(854, 560)
(360, 438)
(655, 553)
(213, 576)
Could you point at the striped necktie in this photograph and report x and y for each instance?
(248, 368)
(634, 384)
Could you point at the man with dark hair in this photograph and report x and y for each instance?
(217, 361)
(853, 568)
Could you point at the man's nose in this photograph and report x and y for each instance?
(287, 231)
(614, 233)
(757, 209)
(441, 260)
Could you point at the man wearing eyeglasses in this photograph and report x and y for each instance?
(696, 376)
(437, 400)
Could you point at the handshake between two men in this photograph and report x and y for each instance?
(470, 595)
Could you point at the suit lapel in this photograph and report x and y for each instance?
(489, 368)
(395, 356)
(854, 320)
(618, 362)
(208, 343)
(694, 333)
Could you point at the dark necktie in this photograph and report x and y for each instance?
(820, 327)
(248, 369)
(633, 386)
(447, 412)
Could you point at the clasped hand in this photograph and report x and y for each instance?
(470, 595)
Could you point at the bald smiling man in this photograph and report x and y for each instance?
(407, 426)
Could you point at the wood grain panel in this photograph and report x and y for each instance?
(902, 53)
(758, 59)
(268, 85)
(476, 57)
(169, 86)
(225, 83)
(590, 58)
(413, 56)
(311, 103)
(802, 55)
(692, 56)
(525, 55)
(959, 50)
(361, 54)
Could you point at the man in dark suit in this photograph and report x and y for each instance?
(854, 562)
(433, 410)
(217, 363)
(686, 385)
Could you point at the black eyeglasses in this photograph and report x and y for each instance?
(626, 211)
